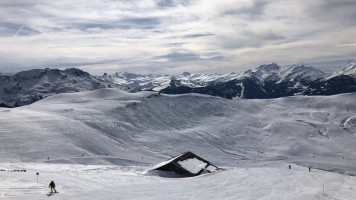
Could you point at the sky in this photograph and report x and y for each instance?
(173, 36)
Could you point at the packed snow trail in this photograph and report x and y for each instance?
(270, 181)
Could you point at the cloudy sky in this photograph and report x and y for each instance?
(173, 36)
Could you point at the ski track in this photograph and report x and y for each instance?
(254, 139)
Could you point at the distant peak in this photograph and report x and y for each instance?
(352, 62)
(351, 65)
(186, 74)
(349, 68)
(76, 71)
(269, 67)
(300, 67)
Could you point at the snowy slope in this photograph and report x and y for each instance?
(119, 135)
(246, 182)
(116, 122)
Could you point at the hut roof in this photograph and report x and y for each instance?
(186, 164)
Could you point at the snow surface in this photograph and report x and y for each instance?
(271, 181)
(99, 145)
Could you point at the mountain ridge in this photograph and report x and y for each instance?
(263, 82)
(29, 86)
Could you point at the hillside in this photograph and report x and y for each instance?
(26, 87)
(118, 135)
(147, 125)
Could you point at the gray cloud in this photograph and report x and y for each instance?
(256, 9)
(336, 12)
(152, 34)
(186, 56)
(198, 35)
(125, 23)
(171, 3)
(248, 38)
(263, 36)
(180, 57)
(11, 29)
(175, 44)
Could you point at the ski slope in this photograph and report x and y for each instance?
(98, 145)
(246, 181)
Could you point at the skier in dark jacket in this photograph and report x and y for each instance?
(52, 186)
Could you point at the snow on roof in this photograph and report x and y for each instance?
(186, 164)
(211, 168)
(193, 165)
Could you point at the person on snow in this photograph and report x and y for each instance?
(289, 167)
(52, 186)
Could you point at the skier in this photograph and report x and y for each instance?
(52, 186)
(309, 169)
(289, 167)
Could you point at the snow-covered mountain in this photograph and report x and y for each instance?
(92, 143)
(265, 81)
(158, 82)
(341, 81)
(136, 125)
(278, 74)
(274, 81)
(348, 69)
(29, 86)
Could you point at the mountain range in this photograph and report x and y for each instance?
(93, 138)
(263, 82)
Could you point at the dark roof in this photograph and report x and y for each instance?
(186, 164)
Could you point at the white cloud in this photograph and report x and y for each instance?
(166, 36)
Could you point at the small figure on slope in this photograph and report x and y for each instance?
(52, 186)
(289, 167)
